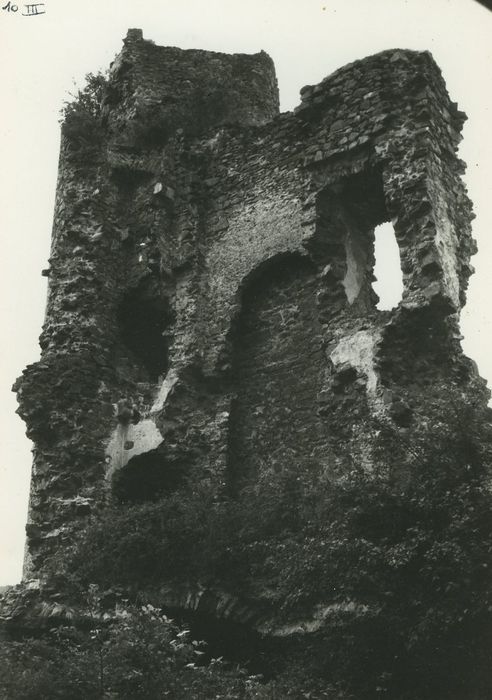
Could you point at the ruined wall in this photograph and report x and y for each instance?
(277, 370)
(210, 303)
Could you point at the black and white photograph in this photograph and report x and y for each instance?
(246, 417)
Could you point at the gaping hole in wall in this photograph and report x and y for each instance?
(387, 270)
(144, 317)
(362, 196)
(146, 477)
(277, 361)
(363, 200)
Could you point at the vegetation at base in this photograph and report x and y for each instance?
(134, 654)
(397, 563)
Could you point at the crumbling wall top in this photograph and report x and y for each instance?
(190, 89)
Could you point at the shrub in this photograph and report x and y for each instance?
(81, 117)
(134, 654)
(398, 569)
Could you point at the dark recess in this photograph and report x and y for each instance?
(363, 197)
(146, 477)
(143, 317)
(235, 642)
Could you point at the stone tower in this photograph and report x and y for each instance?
(210, 308)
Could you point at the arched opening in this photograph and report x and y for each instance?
(388, 283)
(144, 315)
(277, 361)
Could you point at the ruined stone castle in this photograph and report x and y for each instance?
(210, 305)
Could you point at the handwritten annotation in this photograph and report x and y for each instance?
(28, 10)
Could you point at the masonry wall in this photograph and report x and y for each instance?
(210, 304)
(277, 366)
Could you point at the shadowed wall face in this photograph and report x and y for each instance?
(277, 366)
(143, 317)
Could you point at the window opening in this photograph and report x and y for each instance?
(388, 284)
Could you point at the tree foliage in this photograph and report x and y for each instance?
(134, 653)
(393, 565)
(81, 116)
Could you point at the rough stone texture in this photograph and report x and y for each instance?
(210, 301)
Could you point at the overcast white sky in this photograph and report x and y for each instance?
(308, 39)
